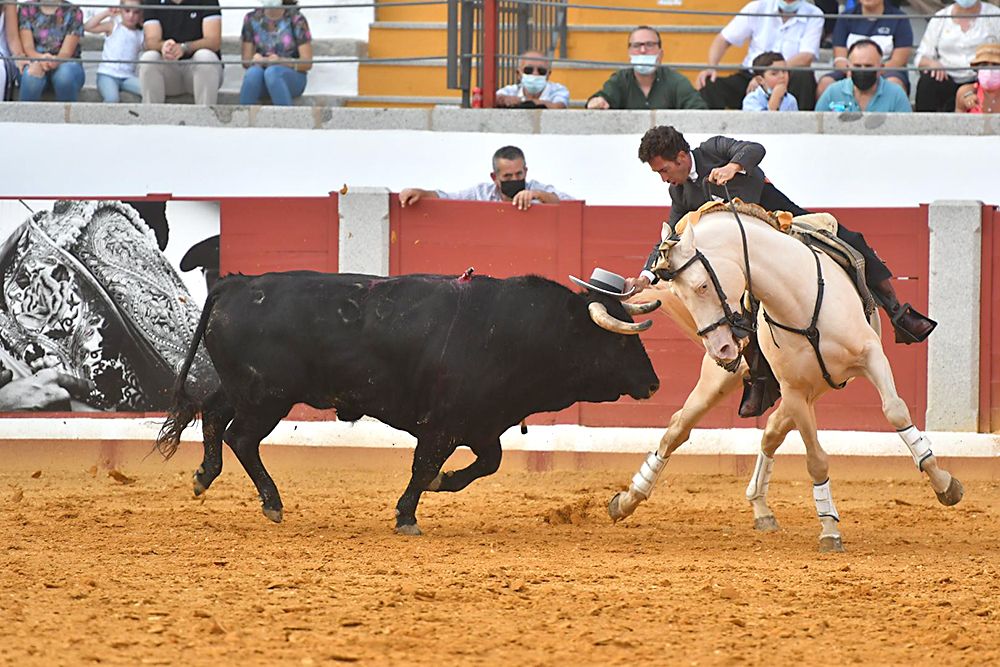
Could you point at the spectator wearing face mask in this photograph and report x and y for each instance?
(646, 84)
(771, 93)
(865, 89)
(535, 91)
(951, 41)
(982, 96)
(793, 30)
(508, 183)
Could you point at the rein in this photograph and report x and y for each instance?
(744, 324)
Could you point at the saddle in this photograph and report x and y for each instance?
(816, 230)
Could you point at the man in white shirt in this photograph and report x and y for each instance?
(794, 31)
(534, 90)
(508, 183)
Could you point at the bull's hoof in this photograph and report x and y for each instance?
(199, 488)
(830, 544)
(410, 529)
(952, 494)
(766, 524)
(274, 515)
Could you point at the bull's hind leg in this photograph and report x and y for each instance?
(429, 456)
(487, 462)
(714, 384)
(215, 417)
(778, 426)
(244, 436)
(948, 489)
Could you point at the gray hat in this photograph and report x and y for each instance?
(605, 282)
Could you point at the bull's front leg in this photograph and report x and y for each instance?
(429, 456)
(487, 462)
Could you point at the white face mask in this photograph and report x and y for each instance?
(643, 63)
(789, 6)
(533, 83)
(270, 4)
(966, 4)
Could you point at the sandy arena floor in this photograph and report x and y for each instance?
(523, 568)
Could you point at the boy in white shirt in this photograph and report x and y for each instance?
(771, 93)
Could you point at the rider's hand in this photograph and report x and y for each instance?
(722, 175)
(639, 283)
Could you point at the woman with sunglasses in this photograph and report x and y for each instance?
(535, 91)
(122, 30)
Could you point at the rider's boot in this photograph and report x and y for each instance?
(910, 325)
(761, 388)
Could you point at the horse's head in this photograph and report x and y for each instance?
(710, 288)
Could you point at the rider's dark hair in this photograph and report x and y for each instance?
(663, 141)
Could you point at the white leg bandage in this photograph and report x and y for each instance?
(824, 501)
(645, 479)
(918, 444)
(757, 488)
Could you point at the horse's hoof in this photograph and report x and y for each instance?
(410, 529)
(952, 494)
(614, 508)
(274, 515)
(830, 544)
(766, 524)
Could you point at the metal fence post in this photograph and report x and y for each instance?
(489, 59)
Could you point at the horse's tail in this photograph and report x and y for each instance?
(185, 408)
(674, 309)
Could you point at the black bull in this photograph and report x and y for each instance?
(452, 361)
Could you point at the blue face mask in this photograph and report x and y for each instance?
(789, 6)
(966, 4)
(533, 83)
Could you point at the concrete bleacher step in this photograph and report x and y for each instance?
(624, 13)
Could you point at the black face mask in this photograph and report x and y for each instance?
(864, 79)
(511, 188)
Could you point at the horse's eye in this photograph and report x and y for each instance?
(703, 287)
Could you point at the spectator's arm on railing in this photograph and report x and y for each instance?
(411, 196)
(717, 49)
(611, 95)
(927, 54)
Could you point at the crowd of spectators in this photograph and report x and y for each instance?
(155, 50)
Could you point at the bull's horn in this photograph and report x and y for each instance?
(641, 308)
(601, 318)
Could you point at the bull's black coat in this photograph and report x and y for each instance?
(451, 361)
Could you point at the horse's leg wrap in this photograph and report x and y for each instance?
(757, 487)
(918, 444)
(824, 501)
(644, 480)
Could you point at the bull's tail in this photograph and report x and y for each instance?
(184, 409)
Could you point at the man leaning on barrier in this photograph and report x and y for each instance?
(534, 91)
(183, 51)
(508, 183)
(647, 84)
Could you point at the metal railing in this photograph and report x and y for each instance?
(485, 38)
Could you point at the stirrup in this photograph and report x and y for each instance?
(905, 336)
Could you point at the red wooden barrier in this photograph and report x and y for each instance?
(283, 234)
(554, 241)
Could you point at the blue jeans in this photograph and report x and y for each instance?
(282, 83)
(66, 81)
(109, 86)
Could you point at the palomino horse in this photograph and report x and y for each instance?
(708, 281)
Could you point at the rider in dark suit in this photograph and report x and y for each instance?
(724, 161)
